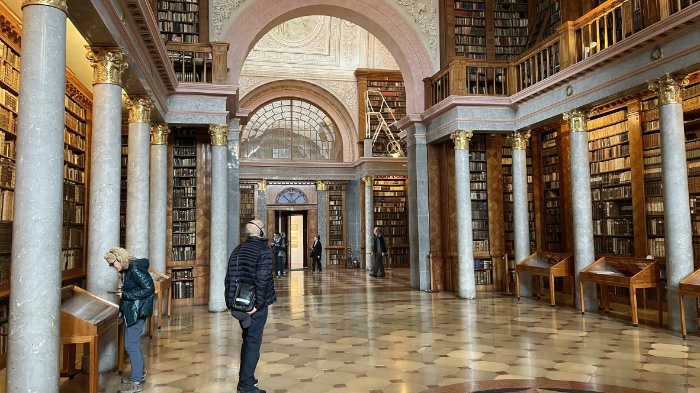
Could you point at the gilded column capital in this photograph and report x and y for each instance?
(577, 120)
(159, 134)
(262, 185)
(518, 139)
(369, 180)
(140, 108)
(218, 134)
(60, 4)
(461, 139)
(669, 87)
(108, 65)
(321, 186)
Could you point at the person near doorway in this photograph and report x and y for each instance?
(283, 252)
(379, 251)
(251, 263)
(276, 248)
(135, 306)
(316, 252)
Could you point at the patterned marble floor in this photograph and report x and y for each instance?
(343, 331)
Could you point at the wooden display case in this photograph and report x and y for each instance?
(162, 283)
(689, 286)
(545, 264)
(626, 272)
(84, 318)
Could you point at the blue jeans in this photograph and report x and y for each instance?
(132, 344)
(250, 350)
(275, 262)
(281, 261)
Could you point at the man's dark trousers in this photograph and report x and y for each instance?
(250, 351)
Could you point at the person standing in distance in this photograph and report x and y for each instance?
(378, 250)
(276, 247)
(251, 263)
(135, 306)
(316, 252)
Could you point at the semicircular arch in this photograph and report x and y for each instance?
(380, 20)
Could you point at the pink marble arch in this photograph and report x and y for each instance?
(375, 16)
(317, 95)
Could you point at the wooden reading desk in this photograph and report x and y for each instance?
(545, 264)
(162, 283)
(626, 272)
(84, 318)
(689, 286)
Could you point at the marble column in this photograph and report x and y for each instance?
(218, 247)
(105, 182)
(234, 185)
(353, 216)
(138, 176)
(158, 197)
(418, 208)
(584, 250)
(322, 205)
(261, 203)
(674, 177)
(518, 141)
(33, 337)
(465, 245)
(369, 221)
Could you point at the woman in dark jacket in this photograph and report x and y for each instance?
(135, 307)
(316, 252)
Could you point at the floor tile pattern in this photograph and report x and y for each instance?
(342, 331)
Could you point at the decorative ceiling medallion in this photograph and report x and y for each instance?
(299, 31)
(657, 53)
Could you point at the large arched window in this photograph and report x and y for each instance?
(291, 129)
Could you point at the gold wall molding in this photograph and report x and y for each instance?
(368, 180)
(140, 108)
(218, 134)
(518, 139)
(159, 134)
(60, 4)
(669, 88)
(461, 139)
(108, 65)
(262, 185)
(577, 120)
(321, 186)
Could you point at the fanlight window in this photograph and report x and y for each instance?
(291, 196)
(290, 129)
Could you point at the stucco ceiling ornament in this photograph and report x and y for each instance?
(222, 10)
(346, 92)
(298, 32)
(425, 14)
(246, 84)
(348, 33)
(383, 58)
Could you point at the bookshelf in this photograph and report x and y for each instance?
(390, 84)
(247, 209)
(508, 215)
(336, 225)
(547, 17)
(122, 199)
(182, 282)
(510, 28)
(478, 194)
(691, 120)
(184, 204)
(611, 183)
(470, 29)
(654, 204)
(389, 196)
(183, 21)
(551, 172)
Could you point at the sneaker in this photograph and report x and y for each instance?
(126, 380)
(131, 387)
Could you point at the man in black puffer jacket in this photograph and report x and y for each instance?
(251, 263)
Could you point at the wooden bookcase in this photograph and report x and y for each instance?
(336, 225)
(510, 28)
(390, 204)
(122, 199)
(611, 183)
(390, 84)
(183, 21)
(247, 209)
(691, 110)
(651, 143)
(555, 240)
(470, 19)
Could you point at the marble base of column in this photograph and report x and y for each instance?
(521, 223)
(138, 189)
(219, 229)
(465, 245)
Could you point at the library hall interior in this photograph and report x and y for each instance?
(470, 195)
